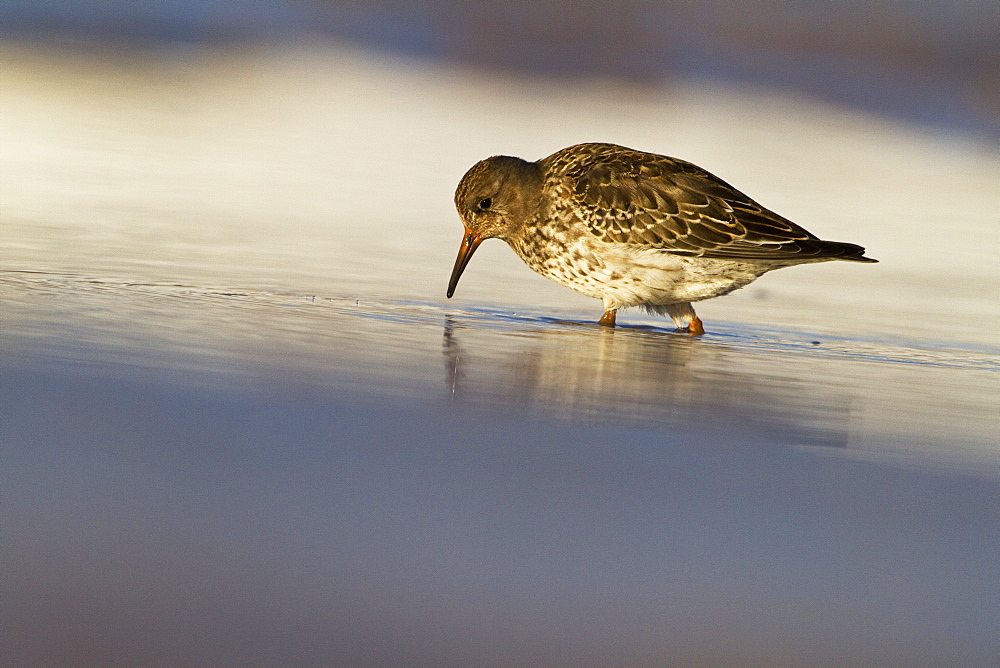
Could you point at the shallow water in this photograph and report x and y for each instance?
(242, 423)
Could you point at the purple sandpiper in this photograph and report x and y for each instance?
(631, 228)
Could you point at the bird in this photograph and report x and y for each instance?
(631, 228)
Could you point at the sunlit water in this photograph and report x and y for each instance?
(236, 401)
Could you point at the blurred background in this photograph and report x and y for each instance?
(934, 62)
(241, 424)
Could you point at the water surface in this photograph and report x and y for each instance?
(242, 424)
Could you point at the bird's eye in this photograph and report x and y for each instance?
(485, 203)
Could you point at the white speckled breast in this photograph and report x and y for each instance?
(621, 275)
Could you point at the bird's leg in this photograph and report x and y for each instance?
(608, 319)
(685, 319)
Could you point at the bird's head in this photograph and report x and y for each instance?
(494, 200)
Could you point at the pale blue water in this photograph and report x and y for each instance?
(242, 424)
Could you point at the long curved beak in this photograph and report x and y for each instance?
(470, 242)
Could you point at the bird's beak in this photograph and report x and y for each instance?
(470, 242)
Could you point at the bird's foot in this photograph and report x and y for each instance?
(608, 319)
(694, 327)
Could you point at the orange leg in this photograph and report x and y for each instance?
(684, 318)
(608, 319)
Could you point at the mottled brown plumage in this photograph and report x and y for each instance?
(631, 228)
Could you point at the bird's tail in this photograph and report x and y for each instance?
(851, 252)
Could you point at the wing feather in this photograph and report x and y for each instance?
(657, 202)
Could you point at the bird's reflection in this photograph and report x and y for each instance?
(642, 378)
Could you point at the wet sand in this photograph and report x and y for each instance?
(242, 424)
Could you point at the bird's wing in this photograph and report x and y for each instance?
(657, 202)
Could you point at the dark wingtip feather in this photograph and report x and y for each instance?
(852, 252)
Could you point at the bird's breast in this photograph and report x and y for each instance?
(574, 258)
(623, 275)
